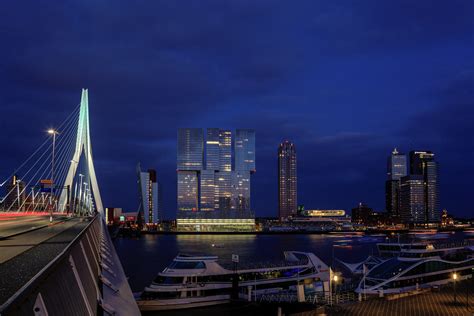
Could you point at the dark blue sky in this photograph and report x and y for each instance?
(346, 81)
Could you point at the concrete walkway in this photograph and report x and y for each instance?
(42, 246)
(430, 303)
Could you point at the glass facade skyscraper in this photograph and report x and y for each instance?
(215, 182)
(149, 195)
(188, 191)
(419, 193)
(396, 169)
(397, 165)
(412, 199)
(190, 149)
(245, 150)
(212, 149)
(287, 180)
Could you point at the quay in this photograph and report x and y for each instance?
(432, 303)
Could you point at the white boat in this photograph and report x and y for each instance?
(419, 268)
(196, 281)
(419, 249)
(469, 232)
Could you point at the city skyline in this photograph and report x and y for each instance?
(346, 83)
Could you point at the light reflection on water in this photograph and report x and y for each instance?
(144, 257)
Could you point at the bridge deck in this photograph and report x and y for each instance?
(24, 255)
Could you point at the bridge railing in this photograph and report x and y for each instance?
(78, 281)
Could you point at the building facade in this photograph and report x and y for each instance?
(412, 199)
(425, 168)
(362, 214)
(396, 169)
(149, 195)
(214, 171)
(287, 180)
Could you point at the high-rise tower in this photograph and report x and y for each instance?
(287, 180)
(214, 177)
(419, 191)
(396, 169)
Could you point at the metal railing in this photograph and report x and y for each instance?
(84, 279)
(316, 299)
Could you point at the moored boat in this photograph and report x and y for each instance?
(419, 268)
(196, 281)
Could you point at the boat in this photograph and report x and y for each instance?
(418, 268)
(419, 249)
(363, 266)
(469, 232)
(200, 280)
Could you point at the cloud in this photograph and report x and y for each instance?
(345, 82)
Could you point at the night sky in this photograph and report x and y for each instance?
(346, 81)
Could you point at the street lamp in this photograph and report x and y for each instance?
(455, 277)
(80, 192)
(335, 279)
(54, 133)
(84, 205)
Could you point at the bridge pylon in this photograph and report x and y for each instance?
(83, 145)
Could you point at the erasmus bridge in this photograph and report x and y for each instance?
(56, 256)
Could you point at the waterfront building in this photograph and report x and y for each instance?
(287, 180)
(446, 220)
(245, 150)
(113, 214)
(187, 191)
(362, 214)
(419, 201)
(412, 199)
(212, 149)
(418, 159)
(189, 165)
(214, 179)
(149, 202)
(396, 169)
(326, 217)
(397, 165)
(190, 149)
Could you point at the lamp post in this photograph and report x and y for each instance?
(71, 201)
(17, 183)
(335, 280)
(80, 191)
(84, 205)
(455, 277)
(54, 133)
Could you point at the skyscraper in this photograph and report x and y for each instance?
(245, 150)
(149, 195)
(418, 159)
(397, 165)
(189, 165)
(287, 180)
(190, 149)
(419, 198)
(212, 149)
(396, 169)
(412, 199)
(214, 183)
(423, 163)
(188, 191)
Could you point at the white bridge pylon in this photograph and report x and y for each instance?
(83, 143)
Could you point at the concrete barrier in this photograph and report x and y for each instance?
(86, 278)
